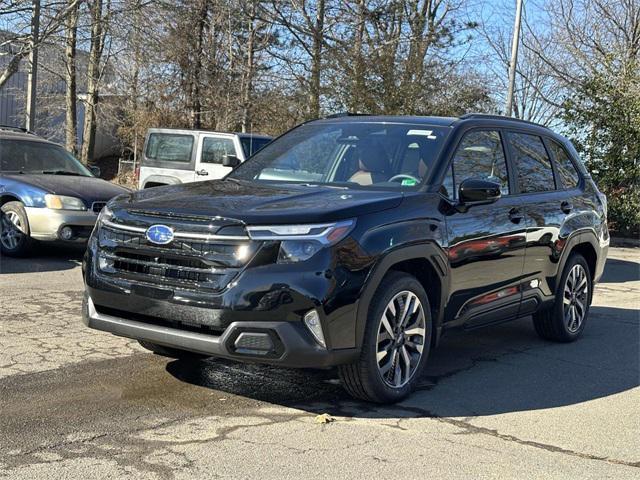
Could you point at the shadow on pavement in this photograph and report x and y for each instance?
(45, 257)
(497, 370)
(619, 271)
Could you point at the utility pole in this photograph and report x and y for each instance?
(32, 78)
(514, 59)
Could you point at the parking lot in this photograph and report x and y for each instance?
(499, 402)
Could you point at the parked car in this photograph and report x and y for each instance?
(45, 193)
(356, 242)
(179, 156)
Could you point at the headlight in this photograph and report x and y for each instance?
(62, 202)
(105, 214)
(301, 242)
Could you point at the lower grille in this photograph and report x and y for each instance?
(208, 329)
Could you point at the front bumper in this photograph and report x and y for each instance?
(293, 345)
(46, 223)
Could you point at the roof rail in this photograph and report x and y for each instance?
(347, 114)
(11, 128)
(498, 117)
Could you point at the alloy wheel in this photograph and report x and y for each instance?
(576, 291)
(12, 230)
(401, 336)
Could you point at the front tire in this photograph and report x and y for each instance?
(396, 343)
(566, 319)
(15, 240)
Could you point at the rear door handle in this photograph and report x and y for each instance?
(566, 207)
(202, 172)
(515, 215)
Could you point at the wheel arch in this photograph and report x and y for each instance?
(584, 243)
(427, 263)
(9, 197)
(160, 180)
(587, 250)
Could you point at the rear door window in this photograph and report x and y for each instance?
(169, 147)
(215, 148)
(533, 164)
(480, 155)
(564, 166)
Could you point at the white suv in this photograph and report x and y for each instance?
(179, 156)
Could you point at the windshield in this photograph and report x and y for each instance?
(348, 154)
(251, 145)
(38, 157)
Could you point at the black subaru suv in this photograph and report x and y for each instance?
(356, 242)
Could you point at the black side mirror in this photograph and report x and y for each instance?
(95, 170)
(474, 191)
(230, 161)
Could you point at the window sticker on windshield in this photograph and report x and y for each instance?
(409, 182)
(423, 133)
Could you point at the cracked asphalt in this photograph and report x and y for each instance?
(494, 403)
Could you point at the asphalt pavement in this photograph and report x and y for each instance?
(494, 403)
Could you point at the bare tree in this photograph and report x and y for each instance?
(71, 117)
(98, 35)
(305, 22)
(538, 93)
(23, 44)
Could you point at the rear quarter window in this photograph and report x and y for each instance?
(169, 147)
(567, 172)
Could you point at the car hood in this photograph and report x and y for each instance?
(258, 203)
(89, 189)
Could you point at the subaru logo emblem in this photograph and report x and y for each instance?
(160, 234)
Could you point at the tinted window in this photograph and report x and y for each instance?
(564, 166)
(480, 155)
(446, 188)
(251, 145)
(532, 162)
(169, 147)
(38, 157)
(350, 154)
(214, 149)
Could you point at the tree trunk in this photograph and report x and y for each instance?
(93, 80)
(358, 94)
(247, 87)
(71, 128)
(195, 100)
(316, 61)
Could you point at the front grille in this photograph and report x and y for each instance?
(185, 263)
(97, 207)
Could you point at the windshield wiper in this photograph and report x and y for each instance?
(61, 172)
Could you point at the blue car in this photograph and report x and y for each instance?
(46, 194)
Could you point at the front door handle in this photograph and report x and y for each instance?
(202, 172)
(566, 207)
(515, 215)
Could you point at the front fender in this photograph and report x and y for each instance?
(29, 195)
(429, 251)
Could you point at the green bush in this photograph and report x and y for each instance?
(624, 211)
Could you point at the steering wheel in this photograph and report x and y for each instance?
(403, 176)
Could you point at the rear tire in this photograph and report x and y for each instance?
(15, 240)
(566, 319)
(170, 352)
(395, 346)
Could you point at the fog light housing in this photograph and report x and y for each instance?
(66, 233)
(312, 321)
